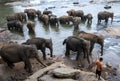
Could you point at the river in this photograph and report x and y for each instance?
(58, 34)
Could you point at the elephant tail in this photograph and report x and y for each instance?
(64, 41)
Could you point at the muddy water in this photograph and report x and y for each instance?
(58, 34)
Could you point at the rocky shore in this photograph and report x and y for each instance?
(60, 68)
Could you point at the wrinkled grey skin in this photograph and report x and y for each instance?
(93, 39)
(15, 25)
(65, 19)
(41, 44)
(16, 53)
(77, 45)
(105, 16)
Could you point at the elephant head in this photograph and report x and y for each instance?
(111, 15)
(71, 12)
(100, 41)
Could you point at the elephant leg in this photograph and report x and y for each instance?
(106, 21)
(44, 54)
(28, 66)
(78, 54)
(67, 53)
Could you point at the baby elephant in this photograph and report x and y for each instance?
(15, 53)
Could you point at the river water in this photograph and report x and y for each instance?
(58, 34)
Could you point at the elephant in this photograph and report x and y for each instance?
(46, 12)
(105, 15)
(76, 22)
(44, 18)
(38, 12)
(31, 26)
(93, 39)
(41, 44)
(15, 25)
(53, 20)
(21, 16)
(89, 18)
(14, 53)
(11, 17)
(76, 13)
(31, 13)
(65, 19)
(77, 45)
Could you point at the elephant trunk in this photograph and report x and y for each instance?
(41, 62)
(101, 49)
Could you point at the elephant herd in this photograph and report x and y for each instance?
(16, 20)
(83, 43)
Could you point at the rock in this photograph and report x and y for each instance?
(108, 64)
(114, 32)
(65, 72)
(49, 78)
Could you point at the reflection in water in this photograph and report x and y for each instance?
(89, 26)
(55, 28)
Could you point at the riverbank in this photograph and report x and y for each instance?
(87, 72)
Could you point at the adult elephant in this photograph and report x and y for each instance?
(21, 16)
(15, 53)
(76, 22)
(105, 15)
(31, 13)
(53, 20)
(15, 25)
(76, 13)
(44, 18)
(78, 45)
(65, 19)
(93, 39)
(31, 26)
(89, 18)
(41, 44)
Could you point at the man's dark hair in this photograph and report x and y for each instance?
(101, 59)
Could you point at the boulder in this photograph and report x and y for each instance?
(65, 72)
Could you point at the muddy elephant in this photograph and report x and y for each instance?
(93, 39)
(88, 18)
(76, 13)
(65, 19)
(44, 18)
(16, 53)
(15, 25)
(31, 13)
(105, 15)
(53, 20)
(31, 26)
(78, 45)
(41, 44)
(76, 22)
